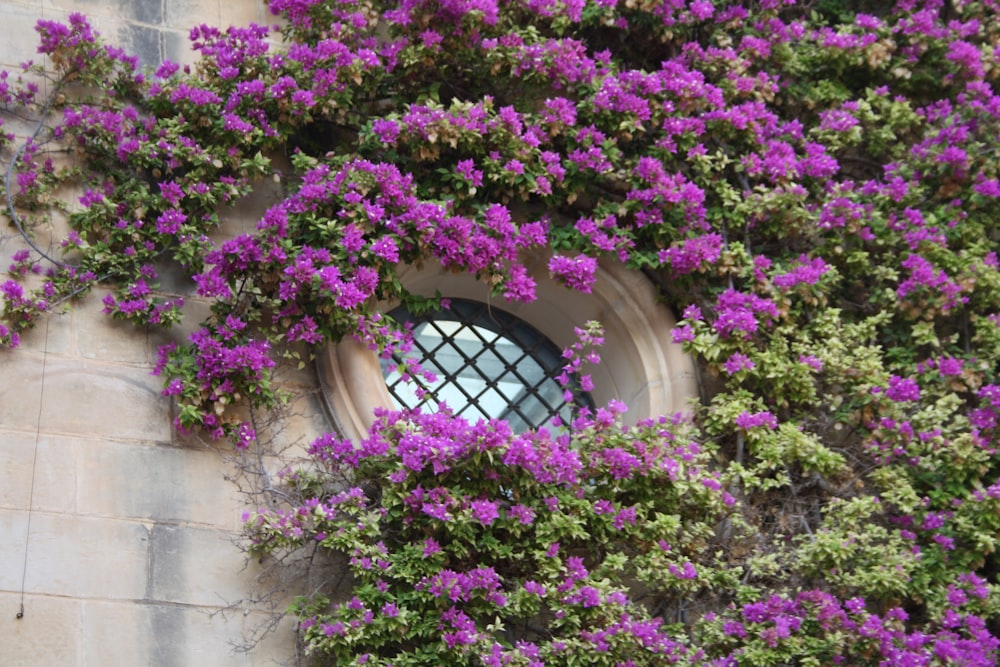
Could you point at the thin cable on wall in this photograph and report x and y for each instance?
(34, 468)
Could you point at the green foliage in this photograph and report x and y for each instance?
(813, 188)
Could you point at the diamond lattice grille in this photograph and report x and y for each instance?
(489, 364)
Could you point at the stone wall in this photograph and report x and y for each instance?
(116, 535)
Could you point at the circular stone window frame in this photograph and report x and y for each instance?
(640, 365)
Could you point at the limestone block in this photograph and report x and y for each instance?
(58, 330)
(158, 636)
(20, 389)
(275, 648)
(156, 482)
(16, 463)
(113, 401)
(32, 4)
(288, 373)
(141, 41)
(245, 12)
(20, 41)
(100, 337)
(13, 533)
(177, 47)
(174, 279)
(83, 557)
(48, 633)
(197, 566)
(138, 11)
(48, 464)
(120, 633)
(196, 310)
(186, 14)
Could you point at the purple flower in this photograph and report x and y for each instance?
(386, 130)
(748, 420)
(170, 221)
(484, 511)
(946, 543)
(688, 571)
(579, 272)
(811, 361)
(467, 170)
(902, 389)
(682, 334)
(13, 292)
(626, 516)
(738, 362)
(692, 254)
(524, 514)
(987, 187)
(808, 272)
(431, 547)
(734, 629)
(385, 248)
(534, 588)
(741, 314)
(949, 366)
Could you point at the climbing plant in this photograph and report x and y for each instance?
(813, 187)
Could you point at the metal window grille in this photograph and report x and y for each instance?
(488, 363)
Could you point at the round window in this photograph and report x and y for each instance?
(485, 363)
(640, 366)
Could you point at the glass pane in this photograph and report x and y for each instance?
(488, 364)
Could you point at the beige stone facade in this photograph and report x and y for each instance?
(117, 538)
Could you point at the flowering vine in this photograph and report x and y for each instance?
(813, 188)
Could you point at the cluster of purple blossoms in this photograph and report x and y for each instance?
(739, 314)
(806, 272)
(900, 389)
(751, 420)
(578, 272)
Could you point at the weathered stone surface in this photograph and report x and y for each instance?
(86, 557)
(115, 401)
(160, 635)
(20, 389)
(197, 566)
(82, 398)
(52, 335)
(102, 338)
(121, 633)
(303, 421)
(143, 42)
(244, 13)
(243, 216)
(185, 14)
(46, 463)
(151, 634)
(13, 529)
(20, 42)
(177, 47)
(16, 463)
(49, 633)
(155, 482)
(274, 648)
(139, 11)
